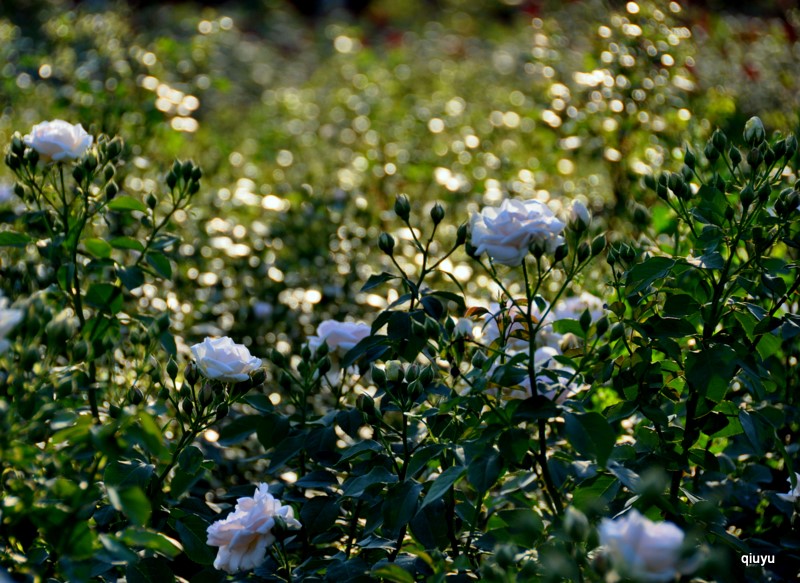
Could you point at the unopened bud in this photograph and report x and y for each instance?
(598, 244)
(187, 406)
(711, 152)
(602, 326)
(190, 373)
(378, 375)
(135, 396)
(747, 196)
(394, 370)
(437, 213)
(78, 174)
(461, 235)
(561, 253)
(172, 369)
(735, 155)
(584, 252)
(386, 243)
(754, 132)
(366, 404)
(689, 158)
(258, 377)
(206, 394)
(720, 140)
(111, 190)
(151, 201)
(585, 320)
(222, 411)
(402, 208)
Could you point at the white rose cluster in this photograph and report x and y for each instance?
(244, 535)
(643, 550)
(502, 327)
(58, 140)
(506, 233)
(222, 360)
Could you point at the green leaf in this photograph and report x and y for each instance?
(127, 243)
(485, 470)
(239, 429)
(642, 275)
(568, 326)
(400, 505)
(161, 264)
(392, 572)
(13, 239)
(188, 471)
(368, 445)
(98, 248)
(591, 435)
(131, 277)
(192, 531)
(105, 297)
(710, 371)
(132, 502)
(319, 514)
(354, 487)
(150, 570)
(151, 540)
(523, 524)
(443, 483)
(377, 279)
(127, 203)
(128, 473)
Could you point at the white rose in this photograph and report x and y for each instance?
(339, 336)
(506, 233)
(9, 318)
(580, 216)
(58, 140)
(792, 495)
(220, 359)
(244, 535)
(641, 549)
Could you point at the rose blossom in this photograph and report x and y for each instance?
(58, 140)
(339, 336)
(245, 534)
(220, 359)
(580, 216)
(641, 549)
(507, 232)
(792, 495)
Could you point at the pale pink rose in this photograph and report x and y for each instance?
(506, 233)
(244, 535)
(222, 360)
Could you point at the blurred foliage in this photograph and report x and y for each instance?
(306, 130)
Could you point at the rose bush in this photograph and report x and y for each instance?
(221, 359)
(59, 140)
